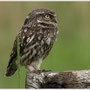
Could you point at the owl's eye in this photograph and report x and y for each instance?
(47, 16)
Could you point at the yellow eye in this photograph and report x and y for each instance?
(47, 16)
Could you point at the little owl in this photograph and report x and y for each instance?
(36, 38)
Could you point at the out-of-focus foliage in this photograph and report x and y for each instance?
(72, 48)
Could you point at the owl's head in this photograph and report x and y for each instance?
(42, 18)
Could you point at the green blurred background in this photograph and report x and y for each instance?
(72, 48)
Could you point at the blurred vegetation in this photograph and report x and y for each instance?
(72, 48)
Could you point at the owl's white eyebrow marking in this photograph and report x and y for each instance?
(54, 24)
(39, 12)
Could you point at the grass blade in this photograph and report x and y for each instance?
(18, 58)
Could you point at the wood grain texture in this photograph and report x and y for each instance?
(47, 79)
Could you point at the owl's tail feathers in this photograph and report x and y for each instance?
(10, 70)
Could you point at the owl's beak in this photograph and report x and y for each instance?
(54, 20)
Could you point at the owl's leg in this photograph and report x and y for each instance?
(30, 68)
(35, 65)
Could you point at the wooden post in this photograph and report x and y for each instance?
(46, 79)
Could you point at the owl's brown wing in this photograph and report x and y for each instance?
(24, 36)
